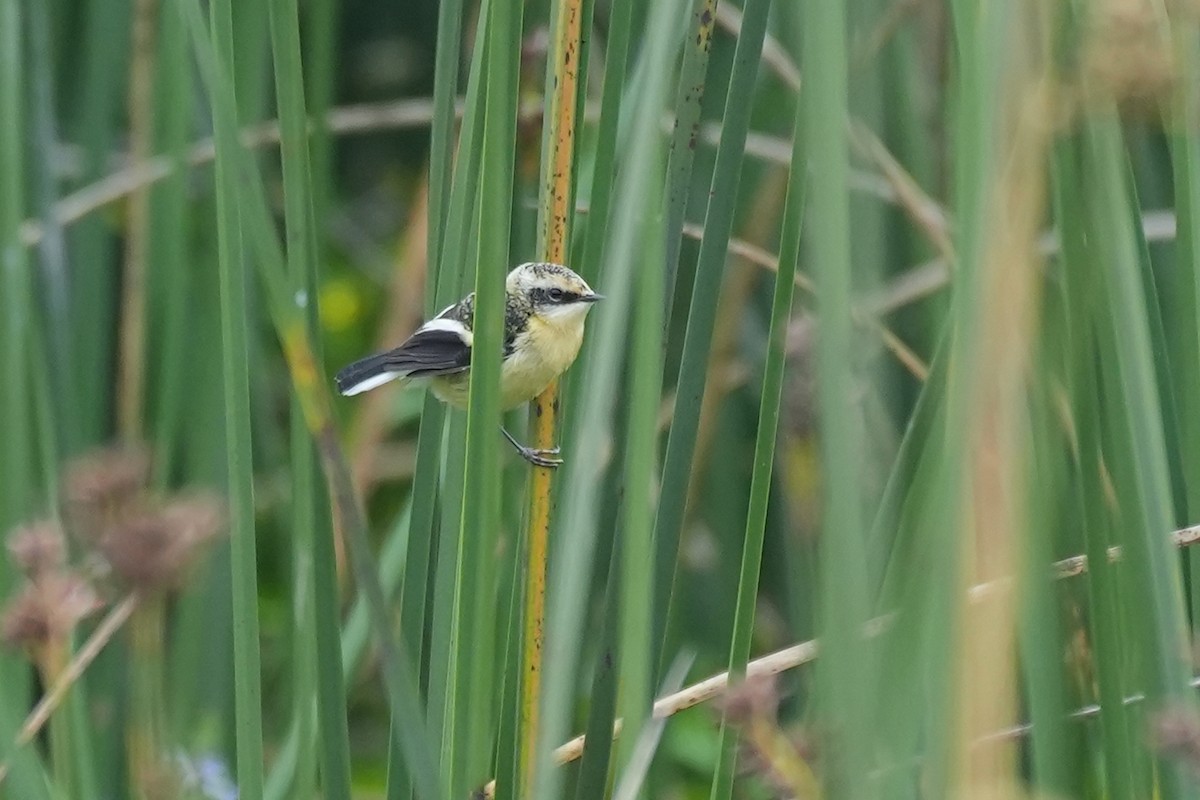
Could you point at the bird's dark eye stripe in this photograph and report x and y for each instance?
(554, 295)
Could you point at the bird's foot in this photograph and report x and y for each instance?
(542, 458)
(539, 457)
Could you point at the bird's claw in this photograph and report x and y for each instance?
(539, 457)
(547, 457)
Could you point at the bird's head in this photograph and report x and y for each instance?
(554, 292)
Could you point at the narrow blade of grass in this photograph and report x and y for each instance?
(689, 98)
(595, 766)
(844, 670)
(616, 58)
(702, 311)
(467, 763)
(320, 598)
(423, 529)
(764, 451)
(445, 87)
(1151, 562)
(637, 648)
(235, 349)
(16, 457)
(460, 242)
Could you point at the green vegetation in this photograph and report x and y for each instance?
(890, 412)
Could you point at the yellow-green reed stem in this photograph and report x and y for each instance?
(555, 226)
(582, 491)
(145, 734)
(52, 660)
(132, 363)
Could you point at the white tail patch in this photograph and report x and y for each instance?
(370, 383)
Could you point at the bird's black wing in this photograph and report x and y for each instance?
(432, 350)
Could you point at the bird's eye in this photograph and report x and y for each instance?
(556, 295)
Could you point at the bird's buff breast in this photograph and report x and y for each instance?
(540, 354)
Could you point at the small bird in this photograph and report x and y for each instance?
(545, 307)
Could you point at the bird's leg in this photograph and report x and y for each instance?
(542, 458)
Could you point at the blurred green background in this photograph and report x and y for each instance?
(990, 364)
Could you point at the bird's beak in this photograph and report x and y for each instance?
(591, 298)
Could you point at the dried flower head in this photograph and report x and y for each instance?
(101, 487)
(37, 548)
(1175, 732)
(154, 548)
(753, 699)
(47, 609)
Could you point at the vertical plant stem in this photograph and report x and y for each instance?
(171, 252)
(693, 79)
(100, 82)
(467, 757)
(315, 556)
(17, 428)
(702, 310)
(1185, 161)
(16, 300)
(147, 757)
(53, 280)
(637, 651)
(52, 660)
(460, 248)
(16, 290)
(1151, 564)
(132, 364)
(235, 348)
(441, 134)
(1078, 259)
(764, 449)
(555, 219)
(422, 525)
(1000, 498)
(616, 58)
(304, 683)
(582, 492)
(847, 680)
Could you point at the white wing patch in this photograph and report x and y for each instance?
(449, 325)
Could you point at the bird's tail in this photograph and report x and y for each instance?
(366, 373)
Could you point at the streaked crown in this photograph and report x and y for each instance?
(550, 286)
